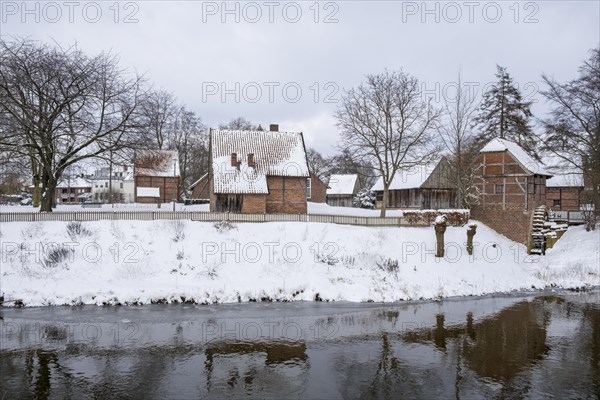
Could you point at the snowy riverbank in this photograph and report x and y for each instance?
(140, 262)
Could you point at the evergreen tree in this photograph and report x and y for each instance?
(504, 114)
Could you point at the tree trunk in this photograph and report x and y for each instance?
(35, 169)
(48, 193)
(440, 228)
(471, 231)
(386, 193)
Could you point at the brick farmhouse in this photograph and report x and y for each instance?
(258, 171)
(510, 183)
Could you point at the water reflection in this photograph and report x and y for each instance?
(529, 346)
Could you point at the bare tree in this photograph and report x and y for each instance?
(317, 164)
(572, 130)
(66, 106)
(239, 123)
(191, 142)
(160, 111)
(345, 162)
(458, 138)
(386, 123)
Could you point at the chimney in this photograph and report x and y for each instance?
(274, 128)
(251, 160)
(234, 162)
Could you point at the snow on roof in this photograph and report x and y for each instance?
(74, 183)
(148, 192)
(533, 166)
(157, 163)
(342, 184)
(566, 180)
(409, 178)
(275, 154)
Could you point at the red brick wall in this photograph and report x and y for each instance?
(318, 190)
(514, 224)
(287, 195)
(168, 188)
(254, 204)
(568, 196)
(292, 200)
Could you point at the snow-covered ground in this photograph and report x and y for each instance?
(139, 262)
(313, 208)
(109, 207)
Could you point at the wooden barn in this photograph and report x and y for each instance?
(342, 189)
(258, 171)
(156, 176)
(421, 187)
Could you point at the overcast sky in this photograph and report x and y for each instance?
(289, 62)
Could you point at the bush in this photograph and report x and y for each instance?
(177, 227)
(426, 217)
(55, 255)
(224, 226)
(76, 229)
(387, 264)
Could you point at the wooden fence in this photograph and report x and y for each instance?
(203, 216)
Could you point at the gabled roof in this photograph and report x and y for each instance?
(409, 178)
(157, 163)
(342, 184)
(522, 157)
(574, 179)
(275, 154)
(77, 182)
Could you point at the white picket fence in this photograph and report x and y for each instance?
(201, 216)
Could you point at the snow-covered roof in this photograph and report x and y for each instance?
(528, 162)
(342, 184)
(566, 180)
(74, 183)
(409, 178)
(148, 192)
(275, 154)
(157, 163)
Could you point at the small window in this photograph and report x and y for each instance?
(499, 188)
(556, 203)
(308, 188)
(121, 185)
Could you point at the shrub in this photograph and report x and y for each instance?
(55, 255)
(177, 228)
(76, 229)
(426, 217)
(387, 264)
(224, 226)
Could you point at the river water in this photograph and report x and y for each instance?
(520, 346)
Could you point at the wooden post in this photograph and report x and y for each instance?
(440, 228)
(471, 231)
